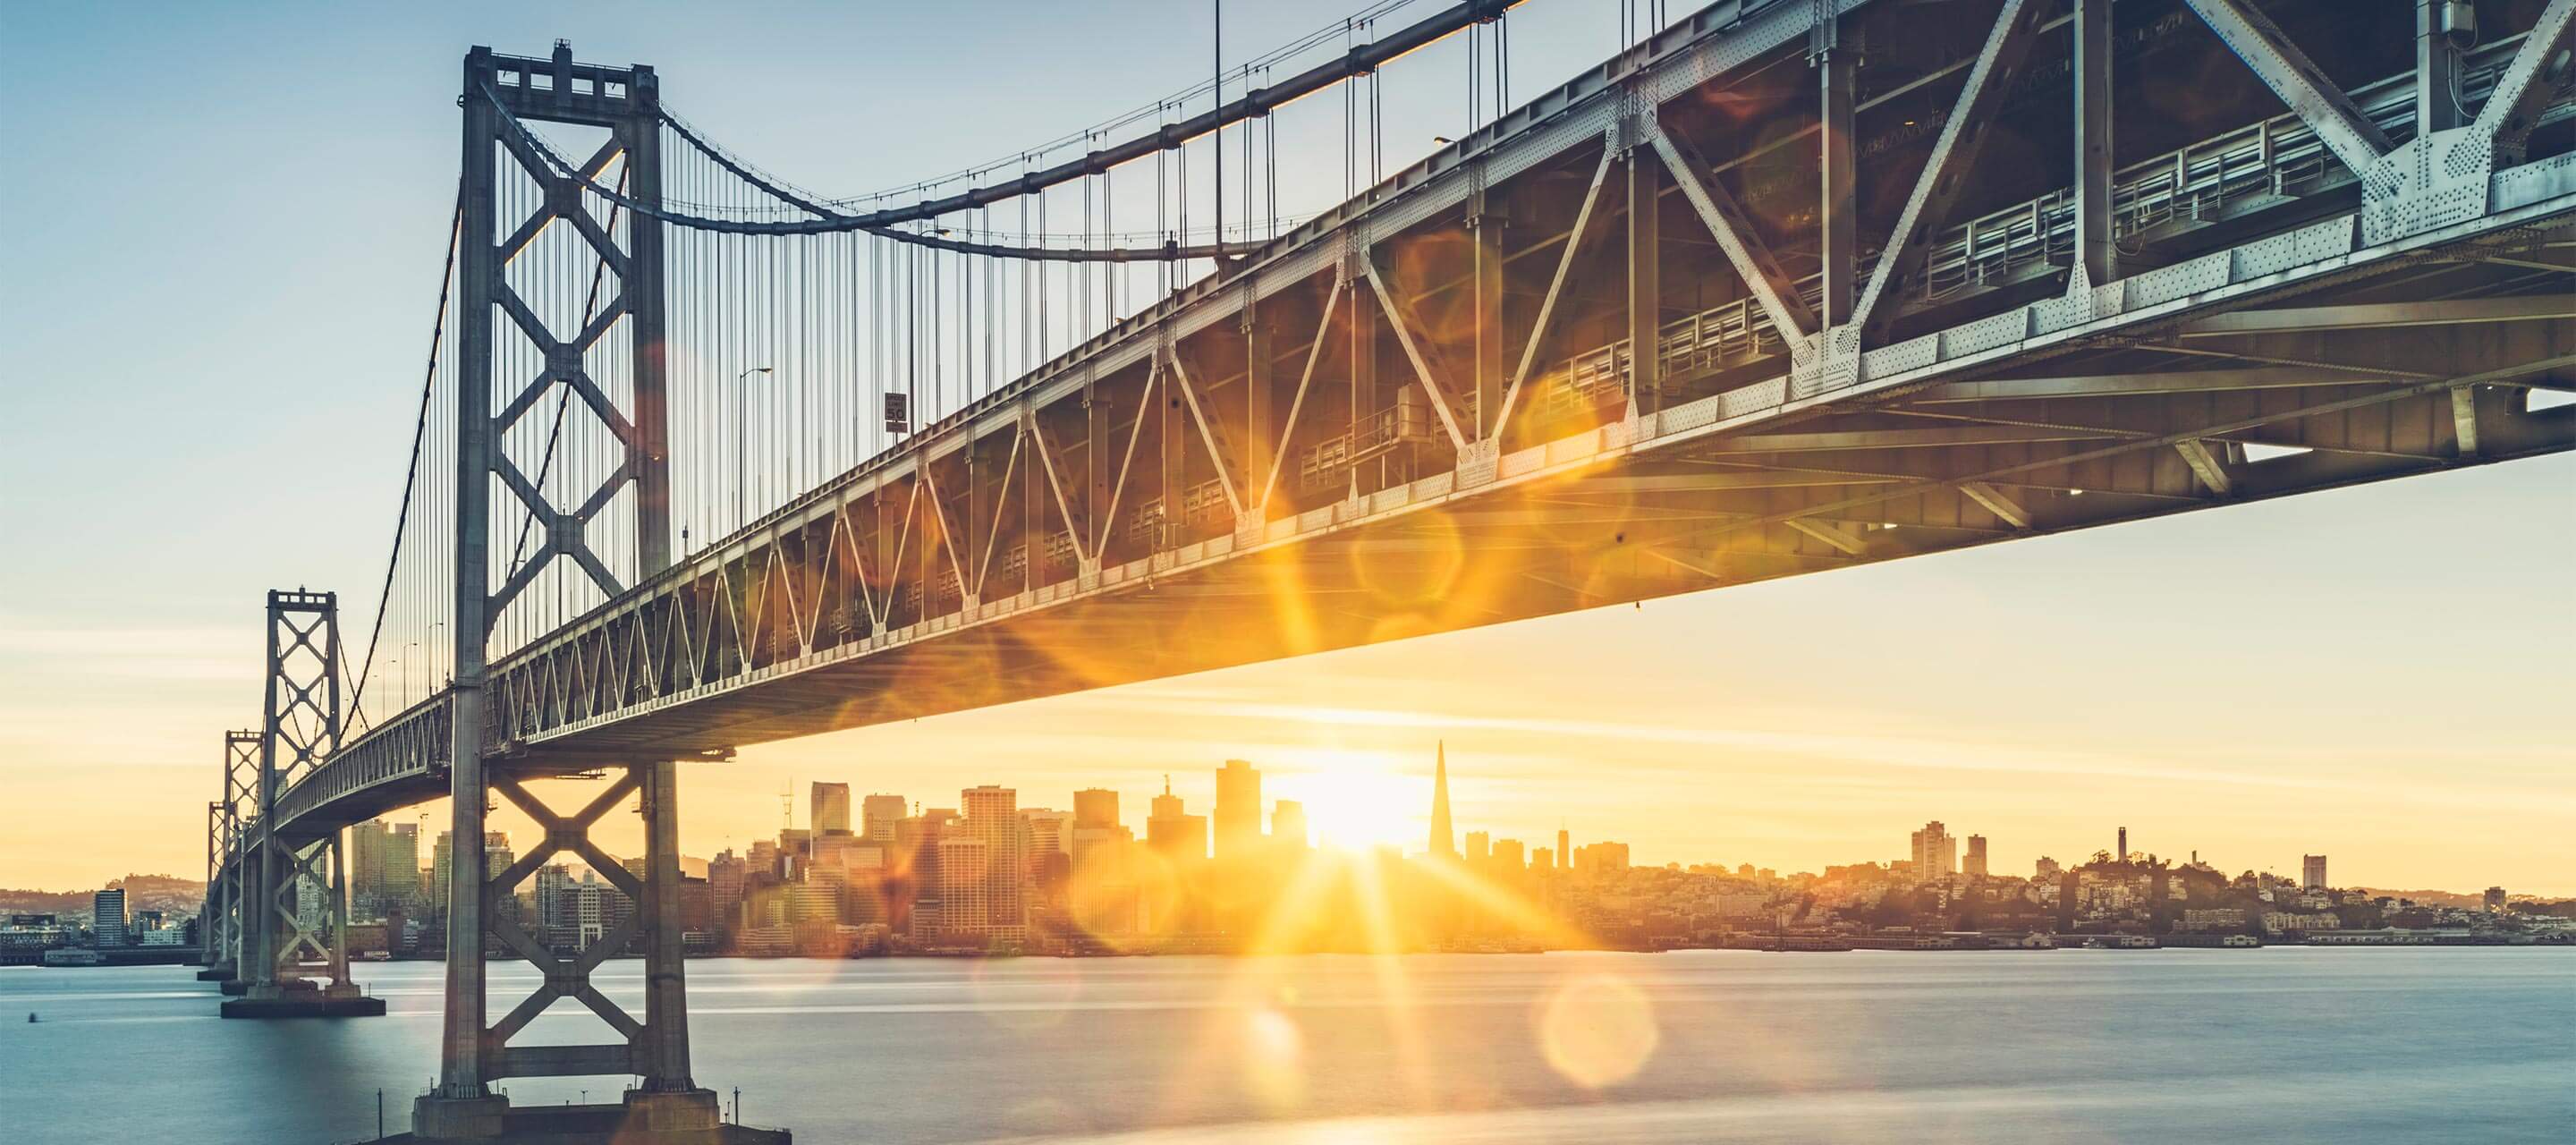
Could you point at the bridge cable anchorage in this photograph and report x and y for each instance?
(420, 426)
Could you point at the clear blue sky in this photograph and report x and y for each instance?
(222, 224)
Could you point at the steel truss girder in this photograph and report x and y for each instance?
(670, 653)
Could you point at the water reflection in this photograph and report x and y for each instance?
(2274, 1045)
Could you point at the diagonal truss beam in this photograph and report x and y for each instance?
(2317, 100)
(2520, 93)
(1589, 221)
(1401, 317)
(1771, 286)
(1305, 382)
(1211, 431)
(1944, 175)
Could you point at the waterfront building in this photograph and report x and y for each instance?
(384, 866)
(107, 921)
(2312, 873)
(878, 815)
(724, 887)
(1974, 866)
(813, 902)
(965, 864)
(497, 858)
(1238, 810)
(555, 908)
(1936, 853)
(1443, 843)
(830, 814)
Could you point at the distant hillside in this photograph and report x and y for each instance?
(173, 897)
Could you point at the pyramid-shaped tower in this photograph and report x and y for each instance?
(1443, 841)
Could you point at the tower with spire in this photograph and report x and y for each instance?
(1443, 842)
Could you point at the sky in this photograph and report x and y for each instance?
(221, 228)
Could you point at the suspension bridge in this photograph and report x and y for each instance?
(704, 459)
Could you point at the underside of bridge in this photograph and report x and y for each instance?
(1789, 287)
(1430, 416)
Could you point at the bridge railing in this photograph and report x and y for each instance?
(2264, 164)
(409, 747)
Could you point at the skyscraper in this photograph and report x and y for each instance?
(877, 816)
(724, 888)
(1238, 810)
(2494, 900)
(993, 818)
(107, 921)
(1975, 865)
(965, 885)
(1177, 836)
(1443, 841)
(1936, 853)
(1479, 847)
(1288, 823)
(831, 814)
(1564, 853)
(1050, 830)
(1095, 821)
(2122, 855)
(2312, 872)
(1095, 807)
(384, 866)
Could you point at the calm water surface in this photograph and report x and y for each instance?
(2275, 1045)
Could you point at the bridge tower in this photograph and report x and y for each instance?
(300, 727)
(230, 888)
(620, 106)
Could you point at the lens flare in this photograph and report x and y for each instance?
(1274, 1059)
(1597, 1031)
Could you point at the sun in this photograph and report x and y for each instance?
(1355, 798)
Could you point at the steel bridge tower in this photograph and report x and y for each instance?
(500, 94)
(300, 728)
(220, 921)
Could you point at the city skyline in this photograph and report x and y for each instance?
(389, 844)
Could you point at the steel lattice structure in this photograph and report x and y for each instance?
(1789, 286)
